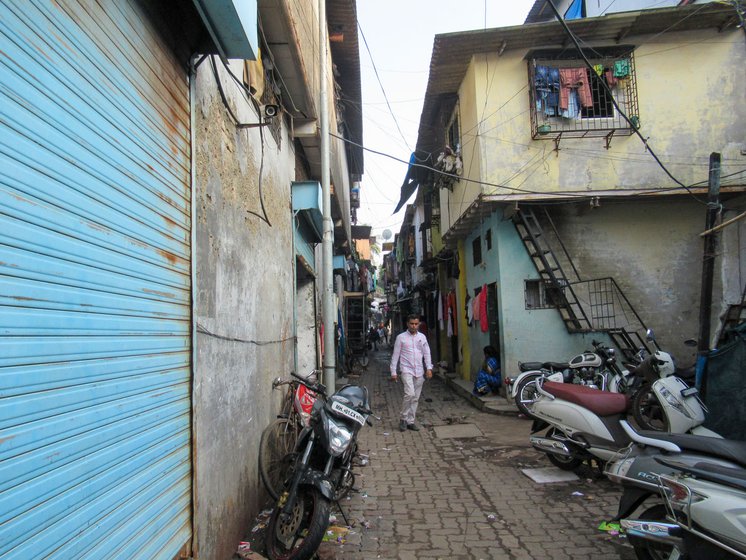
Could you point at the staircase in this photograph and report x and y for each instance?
(534, 239)
(597, 305)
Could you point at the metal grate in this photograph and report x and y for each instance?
(568, 100)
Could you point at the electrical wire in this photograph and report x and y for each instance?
(203, 330)
(367, 48)
(466, 179)
(644, 140)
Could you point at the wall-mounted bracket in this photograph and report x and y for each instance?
(557, 142)
(608, 139)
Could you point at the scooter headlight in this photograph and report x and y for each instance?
(339, 437)
(674, 402)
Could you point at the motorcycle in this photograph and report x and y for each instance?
(597, 369)
(704, 482)
(319, 472)
(585, 423)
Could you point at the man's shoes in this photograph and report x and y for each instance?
(413, 427)
(402, 425)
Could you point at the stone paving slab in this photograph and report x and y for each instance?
(425, 497)
(548, 475)
(457, 431)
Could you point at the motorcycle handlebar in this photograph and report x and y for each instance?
(315, 387)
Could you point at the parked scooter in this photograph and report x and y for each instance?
(597, 369)
(586, 423)
(704, 510)
(663, 382)
(320, 472)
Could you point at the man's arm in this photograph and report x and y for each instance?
(428, 358)
(395, 356)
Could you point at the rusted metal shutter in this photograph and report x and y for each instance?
(94, 284)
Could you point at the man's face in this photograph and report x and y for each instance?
(413, 325)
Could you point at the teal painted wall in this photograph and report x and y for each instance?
(525, 335)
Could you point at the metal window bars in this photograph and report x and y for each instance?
(569, 100)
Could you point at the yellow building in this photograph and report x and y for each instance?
(576, 181)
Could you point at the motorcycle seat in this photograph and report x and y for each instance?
(531, 366)
(727, 449)
(599, 402)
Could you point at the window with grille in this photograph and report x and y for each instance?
(568, 99)
(541, 294)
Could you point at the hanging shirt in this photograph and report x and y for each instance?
(410, 350)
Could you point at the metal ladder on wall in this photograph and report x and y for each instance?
(546, 263)
(600, 297)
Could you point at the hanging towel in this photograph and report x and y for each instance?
(475, 308)
(483, 322)
(621, 68)
(449, 322)
(468, 304)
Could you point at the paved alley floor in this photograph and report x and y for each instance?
(429, 495)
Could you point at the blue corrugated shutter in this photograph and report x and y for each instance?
(94, 284)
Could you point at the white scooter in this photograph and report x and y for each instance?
(597, 369)
(585, 423)
(719, 466)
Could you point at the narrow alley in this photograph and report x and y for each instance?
(430, 495)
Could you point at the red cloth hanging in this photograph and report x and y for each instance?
(483, 324)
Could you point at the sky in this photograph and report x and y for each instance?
(399, 36)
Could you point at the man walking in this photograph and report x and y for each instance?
(410, 350)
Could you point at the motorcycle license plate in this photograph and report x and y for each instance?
(348, 412)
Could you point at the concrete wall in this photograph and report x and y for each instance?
(653, 251)
(243, 308)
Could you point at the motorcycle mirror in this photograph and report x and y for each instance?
(650, 335)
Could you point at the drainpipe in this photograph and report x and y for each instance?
(328, 314)
(708, 265)
(295, 296)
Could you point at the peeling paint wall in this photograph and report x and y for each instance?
(243, 309)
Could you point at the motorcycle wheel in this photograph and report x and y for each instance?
(647, 550)
(276, 454)
(526, 393)
(298, 536)
(648, 412)
(560, 461)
